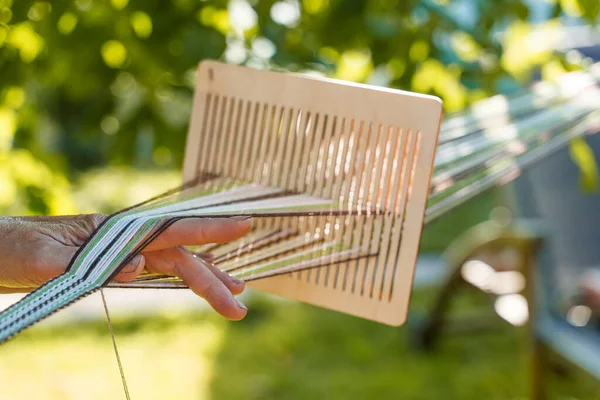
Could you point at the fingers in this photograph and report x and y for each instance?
(132, 269)
(201, 278)
(197, 231)
(208, 257)
(234, 285)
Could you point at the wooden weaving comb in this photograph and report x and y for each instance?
(370, 150)
(335, 175)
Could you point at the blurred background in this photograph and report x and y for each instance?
(95, 98)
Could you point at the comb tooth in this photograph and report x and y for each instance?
(299, 149)
(217, 134)
(345, 186)
(360, 202)
(332, 158)
(372, 230)
(388, 257)
(209, 140)
(264, 117)
(331, 190)
(242, 135)
(252, 135)
(315, 168)
(403, 199)
(376, 277)
(241, 140)
(265, 122)
(272, 163)
(219, 159)
(228, 165)
(322, 156)
(368, 178)
(391, 184)
(336, 146)
(202, 106)
(266, 167)
(299, 133)
(288, 146)
(311, 232)
(290, 135)
(278, 170)
(347, 269)
(309, 135)
(281, 136)
(307, 138)
(311, 172)
(273, 135)
(319, 189)
(306, 224)
(211, 112)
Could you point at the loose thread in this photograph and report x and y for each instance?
(114, 342)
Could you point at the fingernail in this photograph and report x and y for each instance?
(241, 217)
(208, 257)
(240, 304)
(133, 265)
(236, 280)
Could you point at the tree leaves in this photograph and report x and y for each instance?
(68, 61)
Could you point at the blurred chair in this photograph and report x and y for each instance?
(492, 258)
(541, 266)
(495, 257)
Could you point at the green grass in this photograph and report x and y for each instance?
(283, 350)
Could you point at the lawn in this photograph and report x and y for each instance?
(282, 350)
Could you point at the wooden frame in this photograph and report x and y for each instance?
(371, 149)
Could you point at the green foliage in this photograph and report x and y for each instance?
(583, 156)
(90, 83)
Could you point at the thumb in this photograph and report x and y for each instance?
(57, 261)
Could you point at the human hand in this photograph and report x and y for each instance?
(34, 250)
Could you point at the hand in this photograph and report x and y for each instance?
(34, 250)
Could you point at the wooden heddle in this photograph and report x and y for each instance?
(335, 175)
